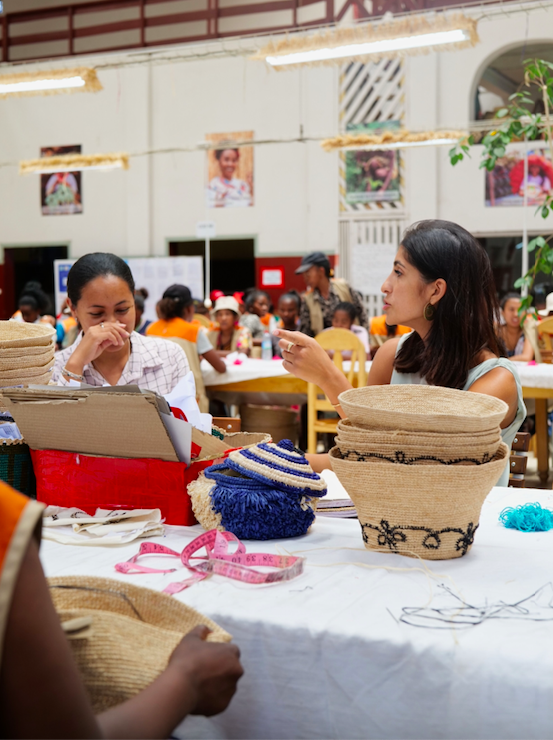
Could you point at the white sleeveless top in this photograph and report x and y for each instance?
(507, 434)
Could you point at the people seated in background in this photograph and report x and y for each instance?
(517, 345)
(33, 305)
(229, 336)
(257, 317)
(100, 289)
(289, 305)
(439, 277)
(343, 318)
(176, 311)
(323, 295)
(142, 323)
(380, 332)
(66, 327)
(41, 692)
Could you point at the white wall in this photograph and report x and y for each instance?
(162, 196)
(296, 184)
(439, 92)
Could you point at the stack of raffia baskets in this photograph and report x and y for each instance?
(26, 353)
(418, 462)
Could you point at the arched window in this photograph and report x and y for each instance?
(503, 75)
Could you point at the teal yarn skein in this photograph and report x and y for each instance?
(527, 518)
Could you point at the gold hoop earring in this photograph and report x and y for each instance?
(429, 312)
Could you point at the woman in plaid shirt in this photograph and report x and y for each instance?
(100, 290)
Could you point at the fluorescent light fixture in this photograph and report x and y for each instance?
(39, 85)
(402, 144)
(49, 82)
(439, 38)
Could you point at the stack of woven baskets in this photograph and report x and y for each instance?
(26, 353)
(418, 462)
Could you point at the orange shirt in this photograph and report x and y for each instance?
(378, 327)
(18, 520)
(266, 320)
(174, 328)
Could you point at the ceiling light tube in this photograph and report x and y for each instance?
(40, 85)
(439, 38)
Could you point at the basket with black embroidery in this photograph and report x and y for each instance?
(431, 511)
(426, 408)
(267, 491)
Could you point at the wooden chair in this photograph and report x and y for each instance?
(228, 423)
(545, 330)
(191, 351)
(203, 320)
(519, 460)
(338, 341)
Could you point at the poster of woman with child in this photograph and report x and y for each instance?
(506, 184)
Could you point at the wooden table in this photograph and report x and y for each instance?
(287, 383)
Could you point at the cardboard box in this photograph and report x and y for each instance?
(113, 448)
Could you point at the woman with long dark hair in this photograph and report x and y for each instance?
(442, 287)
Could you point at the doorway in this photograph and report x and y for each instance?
(22, 264)
(232, 261)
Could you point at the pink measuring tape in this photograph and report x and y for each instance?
(236, 565)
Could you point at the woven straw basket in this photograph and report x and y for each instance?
(351, 434)
(127, 633)
(23, 358)
(431, 511)
(20, 334)
(14, 376)
(422, 408)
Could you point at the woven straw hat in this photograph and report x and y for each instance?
(24, 358)
(348, 432)
(10, 376)
(431, 511)
(422, 408)
(127, 634)
(20, 334)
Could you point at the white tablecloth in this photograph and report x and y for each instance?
(326, 657)
(531, 376)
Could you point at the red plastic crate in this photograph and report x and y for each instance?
(72, 479)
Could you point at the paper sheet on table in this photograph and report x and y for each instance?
(236, 358)
(183, 397)
(72, 526)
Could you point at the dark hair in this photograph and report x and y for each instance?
(32, 295)
(464, 321)
(509, 297)
(252, 295)
(91, 266)
(219, 152)
(291, 295)
(175, 299)
(349, 308)
(144, 292)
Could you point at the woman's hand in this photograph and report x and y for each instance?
(306, 359)
(213, 669)
(94, 342)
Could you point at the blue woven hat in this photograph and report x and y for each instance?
(264, 495)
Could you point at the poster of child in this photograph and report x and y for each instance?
(230, 171)
(506, 184)
(60, 192)
(372, 175)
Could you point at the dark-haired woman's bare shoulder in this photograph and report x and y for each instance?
(499, 382)
(383, 364)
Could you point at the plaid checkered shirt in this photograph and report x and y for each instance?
(154, 364)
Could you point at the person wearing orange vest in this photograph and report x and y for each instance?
(176, 310)
(380, 332)
(39, 679)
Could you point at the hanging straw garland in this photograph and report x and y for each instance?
(72, 162)
(401, 28)
(92, 83)
(376, 141)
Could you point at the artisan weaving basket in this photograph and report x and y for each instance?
(431, 511)
(121, 635)
(422, 408)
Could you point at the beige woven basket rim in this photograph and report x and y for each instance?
(20, 334)
(421, 407)
(347, 427)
